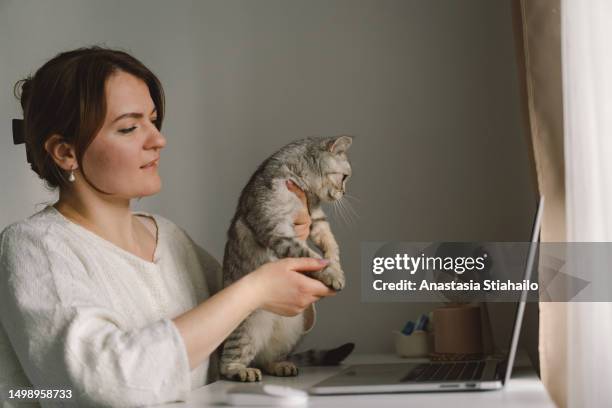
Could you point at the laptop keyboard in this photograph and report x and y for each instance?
(459, 371)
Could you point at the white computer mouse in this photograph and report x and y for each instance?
(265, 395)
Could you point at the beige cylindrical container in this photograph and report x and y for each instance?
(458, 329)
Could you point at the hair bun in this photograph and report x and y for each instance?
(22, 91)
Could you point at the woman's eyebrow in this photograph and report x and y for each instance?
(135, 115)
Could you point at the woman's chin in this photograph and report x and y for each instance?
(150, 189)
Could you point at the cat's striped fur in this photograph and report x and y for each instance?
(262, 231)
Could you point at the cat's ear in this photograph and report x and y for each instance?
(340, 144)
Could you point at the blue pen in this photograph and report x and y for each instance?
(408, 328)
(422, 322)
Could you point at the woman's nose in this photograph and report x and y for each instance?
(156, 140)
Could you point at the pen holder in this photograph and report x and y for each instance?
(413, 345)
(458, 329)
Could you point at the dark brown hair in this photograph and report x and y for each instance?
(66, 96)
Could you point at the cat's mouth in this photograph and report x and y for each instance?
(335, 195)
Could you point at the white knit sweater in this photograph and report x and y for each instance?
(80, 313)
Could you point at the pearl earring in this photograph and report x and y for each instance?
(71, 177)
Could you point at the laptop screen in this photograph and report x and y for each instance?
(530, 263)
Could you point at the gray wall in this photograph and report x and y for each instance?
(428, 88)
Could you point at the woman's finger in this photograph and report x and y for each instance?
(320, 290)
(306, 264)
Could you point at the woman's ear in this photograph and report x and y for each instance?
(62, 152)
(340, 144)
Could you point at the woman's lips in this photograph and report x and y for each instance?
(152, 164)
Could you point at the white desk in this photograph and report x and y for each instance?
(524, 390)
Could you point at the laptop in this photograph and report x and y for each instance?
(486, 374)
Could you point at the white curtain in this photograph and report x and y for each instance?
(586, 32)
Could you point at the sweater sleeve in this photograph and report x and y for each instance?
(213, 275)
(212, 270)
(66, 336)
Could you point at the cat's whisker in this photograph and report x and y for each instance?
(340, 211)
(347, 206)
(347, 215)
(343, 211)
(352, 197)
(335, 208)
(351, 209)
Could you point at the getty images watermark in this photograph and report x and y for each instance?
(485, 271)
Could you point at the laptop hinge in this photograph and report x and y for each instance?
(500, 370)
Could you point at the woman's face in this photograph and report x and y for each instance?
(124, 156)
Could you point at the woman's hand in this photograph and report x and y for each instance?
(282, 288)
(302, 221)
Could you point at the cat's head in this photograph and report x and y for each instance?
(334, 168)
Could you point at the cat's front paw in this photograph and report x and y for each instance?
(332, 277)
(283, 369)
(244, 374)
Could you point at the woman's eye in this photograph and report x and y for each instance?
(128, 130)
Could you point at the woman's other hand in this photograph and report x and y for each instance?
(302, 221)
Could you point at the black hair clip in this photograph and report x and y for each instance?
(18, 137)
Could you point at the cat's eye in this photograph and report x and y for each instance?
(336, 178)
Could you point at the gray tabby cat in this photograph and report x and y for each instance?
(262, 231)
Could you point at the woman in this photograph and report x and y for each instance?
(122, 308)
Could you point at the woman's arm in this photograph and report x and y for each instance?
(277, 286)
